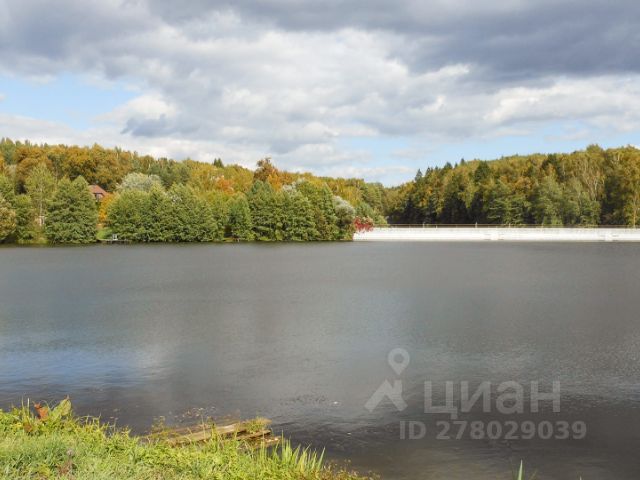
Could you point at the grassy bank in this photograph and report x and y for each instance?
(64, 446)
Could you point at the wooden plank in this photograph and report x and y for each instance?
(194, 437)
(254, 435)
(203, 432)
(265, 443)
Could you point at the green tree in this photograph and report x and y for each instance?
(482, 172)
(7, 188)
(298, 217)
(7, 151)
(192, 219)
(218, 202)
(127, 216)
(548, 200)
(157, 216)
(623, 187)
(504, 206)
(457, 199)
(7, 219)
(324, 215)
(25, 214)
(577, 206)
(40, 185)
(373, 194)
(72, 214)
(139, 181)
(265, 212)
(239, 221)
(364, 210)
(345, 214)
(498, 204)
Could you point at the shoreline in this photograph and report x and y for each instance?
(51, 442)
(496, 234)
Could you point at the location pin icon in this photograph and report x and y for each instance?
(398, 359)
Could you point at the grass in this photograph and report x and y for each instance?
(57, 444)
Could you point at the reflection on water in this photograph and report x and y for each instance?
(300, 333)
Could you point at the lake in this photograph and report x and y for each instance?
(301, 334)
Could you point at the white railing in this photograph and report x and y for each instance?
(502, 233)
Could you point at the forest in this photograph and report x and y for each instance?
(45, 198)
(587, 187)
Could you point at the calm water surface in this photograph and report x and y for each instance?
(300, 334)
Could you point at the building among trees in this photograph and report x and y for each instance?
(98, 192)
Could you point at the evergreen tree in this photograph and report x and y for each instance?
(498, 204)
(482, 173)
(157, 217)
(264, 211)
(324, 215)
(219, 212)
(519, 208)
(127, 216)
(192, 220)
(72, 214)
(298, 221)
(239, 220)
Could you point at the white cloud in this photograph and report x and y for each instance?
(605, 101)
(255, 80)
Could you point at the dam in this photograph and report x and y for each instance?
(437, 233)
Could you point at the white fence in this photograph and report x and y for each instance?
(508, 234)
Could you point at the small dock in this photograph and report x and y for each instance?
(112, 239)
(253, 433)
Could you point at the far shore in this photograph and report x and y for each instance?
(435, 233)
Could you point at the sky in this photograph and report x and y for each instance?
(368, 88)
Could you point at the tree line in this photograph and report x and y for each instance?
(587, 187)
(45, 197)
(302, 211)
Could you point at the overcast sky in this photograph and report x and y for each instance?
(367, 88)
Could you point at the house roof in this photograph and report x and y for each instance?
(97, 190)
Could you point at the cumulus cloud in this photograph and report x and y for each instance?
(291, 79)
